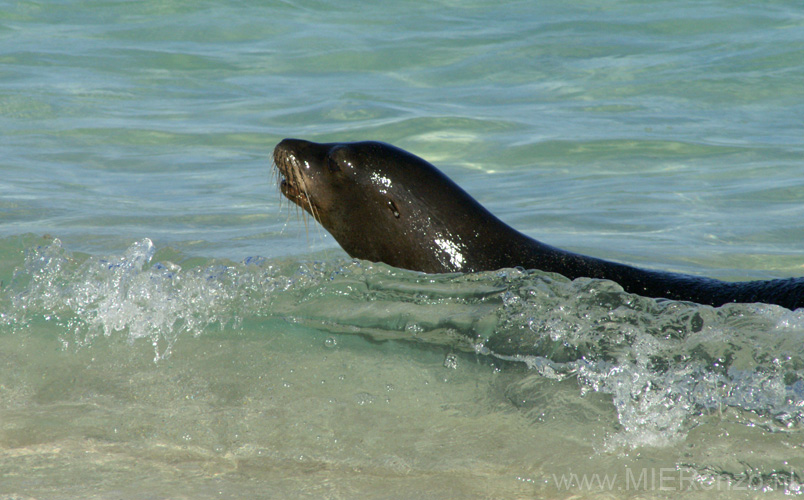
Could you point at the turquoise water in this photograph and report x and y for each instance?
(170, 328)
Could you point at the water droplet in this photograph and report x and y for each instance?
(364, 398)
(451, 361)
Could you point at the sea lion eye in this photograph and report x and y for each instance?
(393, 208)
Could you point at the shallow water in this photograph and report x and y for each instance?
(170, 328)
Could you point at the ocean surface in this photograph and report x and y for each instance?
(170, 328)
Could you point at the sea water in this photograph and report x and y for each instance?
(170, 328)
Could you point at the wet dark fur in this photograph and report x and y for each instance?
(384, 204)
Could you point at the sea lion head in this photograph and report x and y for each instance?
(381, 203)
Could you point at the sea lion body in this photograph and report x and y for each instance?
(384, 204)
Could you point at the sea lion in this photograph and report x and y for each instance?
(384, 204)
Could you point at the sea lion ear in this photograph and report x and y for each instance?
(333, 159)
(332, 164)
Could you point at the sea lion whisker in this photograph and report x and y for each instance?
(278, 183)
(302, 183)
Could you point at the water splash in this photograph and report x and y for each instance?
(123, 293)
(661, 362)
